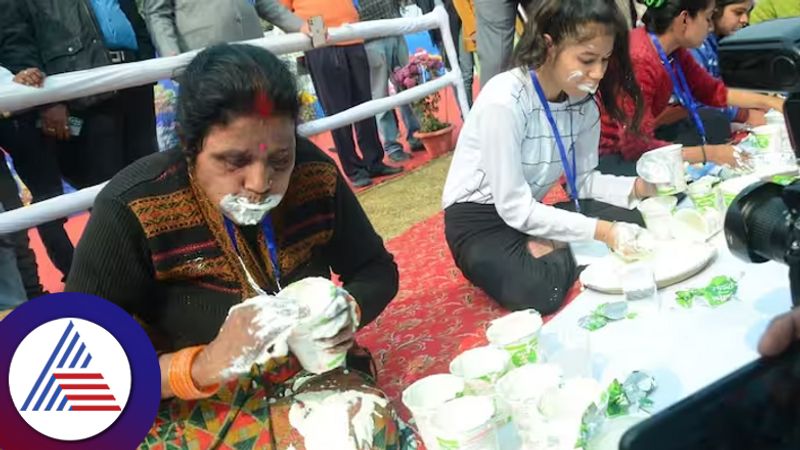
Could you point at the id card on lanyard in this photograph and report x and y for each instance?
(570, 168)
(269, 236)
(680, 87)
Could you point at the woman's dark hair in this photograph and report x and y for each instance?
(720, 5)
(225, 82)
(580, 20)
(661, 13)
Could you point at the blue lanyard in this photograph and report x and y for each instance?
(680, 87)
(569, 172)
(269, 236)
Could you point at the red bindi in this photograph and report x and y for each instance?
(263, 105)
(262, 148)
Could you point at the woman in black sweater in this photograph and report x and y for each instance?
(245, 206)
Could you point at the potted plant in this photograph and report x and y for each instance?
(435, 135)
(308, 105)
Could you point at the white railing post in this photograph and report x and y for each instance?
(47, 210)
(452, 56)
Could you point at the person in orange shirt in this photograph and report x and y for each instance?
(462, 27)
(342, 80)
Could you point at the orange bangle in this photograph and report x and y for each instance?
(180, 375)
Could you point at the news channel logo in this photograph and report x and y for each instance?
(81, 374)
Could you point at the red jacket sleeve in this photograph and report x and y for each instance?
(706, 89)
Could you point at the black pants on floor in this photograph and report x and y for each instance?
(26, 259)
(718, 131)
(341, 79)
(37, 166)
(115, 133)
(495, 257)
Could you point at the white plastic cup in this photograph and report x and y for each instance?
(767, 138)
(639, 283)
(574, 353)
(480, 368)
(663, 167)
(466, 424)
(776, 118)
(563, 409)
(696, 226)
(313, 356)
(768, 165)
(703, 196)
(656, 212)
(423, 398)
(518, 334)
(316, 294)
(731, 188)
(520, 390)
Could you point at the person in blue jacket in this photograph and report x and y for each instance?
(729, 17)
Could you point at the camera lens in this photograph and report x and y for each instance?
(758, 224)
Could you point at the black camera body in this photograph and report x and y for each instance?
(766, 57)
(763, 222)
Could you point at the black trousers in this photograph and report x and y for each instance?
(341, 79)
(495, 257)
(26, 259)
(37, 166)
(718, 131)
(115, 133)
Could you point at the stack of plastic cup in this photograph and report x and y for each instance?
(466, 424)
(657, 212)
(518, 334)
(704, 196)
(768, 138)
(425, 396)
(663, 167)
(520, 391)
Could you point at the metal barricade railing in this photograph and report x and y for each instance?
(73, 85)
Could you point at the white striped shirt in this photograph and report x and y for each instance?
(507, 156)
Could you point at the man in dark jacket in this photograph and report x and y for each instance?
(94, 136)
(36, 166)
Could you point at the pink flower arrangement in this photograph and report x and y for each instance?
(422, 67)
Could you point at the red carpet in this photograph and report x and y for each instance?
(436, 315)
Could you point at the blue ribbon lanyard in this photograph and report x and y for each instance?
(569, 172)
(269, 236)
(680, 87)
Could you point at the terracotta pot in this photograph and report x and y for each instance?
(437, 143)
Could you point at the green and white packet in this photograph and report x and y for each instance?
(605, 313)
(619, 399)
(718, 292)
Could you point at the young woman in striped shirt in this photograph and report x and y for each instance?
(529, 127)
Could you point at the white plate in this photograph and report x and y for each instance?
(672, 262)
